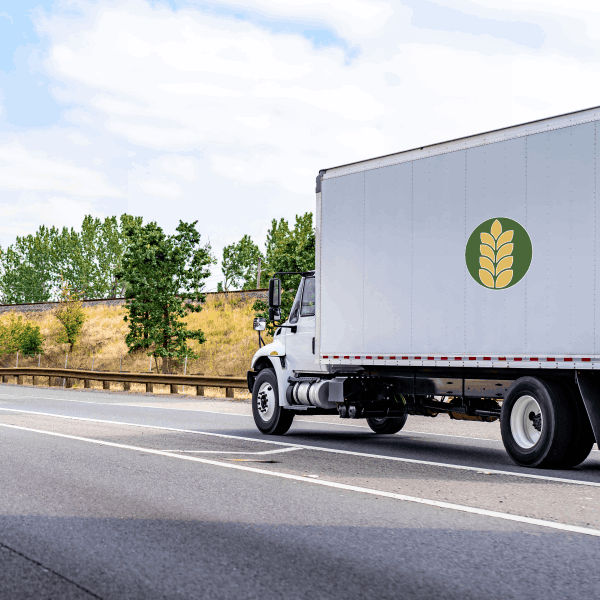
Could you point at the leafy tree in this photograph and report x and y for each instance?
(70, 315)
(164, 278)
(288, 249)
(240, 264)
(25, 269)
(32, 269)
(31, 340)
(18, 335)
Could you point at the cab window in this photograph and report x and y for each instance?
(308, 298)
(295, 312)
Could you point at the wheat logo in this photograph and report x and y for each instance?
(498, 253)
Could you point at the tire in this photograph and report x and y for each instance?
(583, 440)
(386, 425)
(269, 417)
(540, 422)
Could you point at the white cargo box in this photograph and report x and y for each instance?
(397, 285)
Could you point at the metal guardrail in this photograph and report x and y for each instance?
(60, 377)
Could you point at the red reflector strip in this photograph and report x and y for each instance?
(533, 359)
(430, 358)
(346, 357)
(444, 358)
(325, 356)
(356, 357)
(502, 358)
(550, 359)
(405, 358)
(586, 360)
(458, 358)
(567, 359)
(472, 358)
(487, 358)
(392, 358)
(368, 357)
(336, 357)
(517, 358)
(380, 358)
(417, 358)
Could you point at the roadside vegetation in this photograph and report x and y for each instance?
(166, 324)
(225, 320)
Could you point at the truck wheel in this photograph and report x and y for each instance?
(583, 440)
(269, 417)
(539, 423)
(386, 424)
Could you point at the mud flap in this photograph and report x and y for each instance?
(589, 386)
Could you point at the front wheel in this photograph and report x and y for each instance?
(269, 417)
(387, 425)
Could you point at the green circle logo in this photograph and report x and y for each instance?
(498, 253)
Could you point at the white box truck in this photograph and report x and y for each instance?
(459, 278)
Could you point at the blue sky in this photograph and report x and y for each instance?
(224, 111)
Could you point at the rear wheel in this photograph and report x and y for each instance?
(584, 439)
(269, 417)
(387, 425)
(541, 422)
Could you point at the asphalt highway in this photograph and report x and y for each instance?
(109, 495)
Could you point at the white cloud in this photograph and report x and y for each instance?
(24, 169)
(350, 18)
(199, 115)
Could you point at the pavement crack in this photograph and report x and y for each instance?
(50, 570)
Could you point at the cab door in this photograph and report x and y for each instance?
(300, 344)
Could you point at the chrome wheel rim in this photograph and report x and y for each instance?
(526, 422)
(265, 401)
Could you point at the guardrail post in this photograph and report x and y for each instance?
(174, 388)
(4, 378)
(149, 388)
(106, 385)
(35, 380)
(20, 379)
(87, 384)
(126, 386)
(229, 392)
(199, 390)
(69, 382)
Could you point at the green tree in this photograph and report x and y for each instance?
(22, 336)
(288, 249)
(33, 267)
(25, 269)
(90, 258)
(240, 264)
(164, 278)
(70, 315)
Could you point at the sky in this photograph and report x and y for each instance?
(224, 111)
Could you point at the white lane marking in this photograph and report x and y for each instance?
(415, 461)
(263, 452)
(326, 483)
(216, 412)
(410, 431)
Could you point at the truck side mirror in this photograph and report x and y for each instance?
(260, 324)
(274, 314)
(274, 293)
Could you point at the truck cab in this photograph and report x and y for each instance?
(288, 369)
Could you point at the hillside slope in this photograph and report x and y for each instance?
(226, 321)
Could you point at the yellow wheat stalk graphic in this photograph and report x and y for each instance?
(496, 258)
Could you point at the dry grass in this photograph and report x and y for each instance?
(225, 321)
